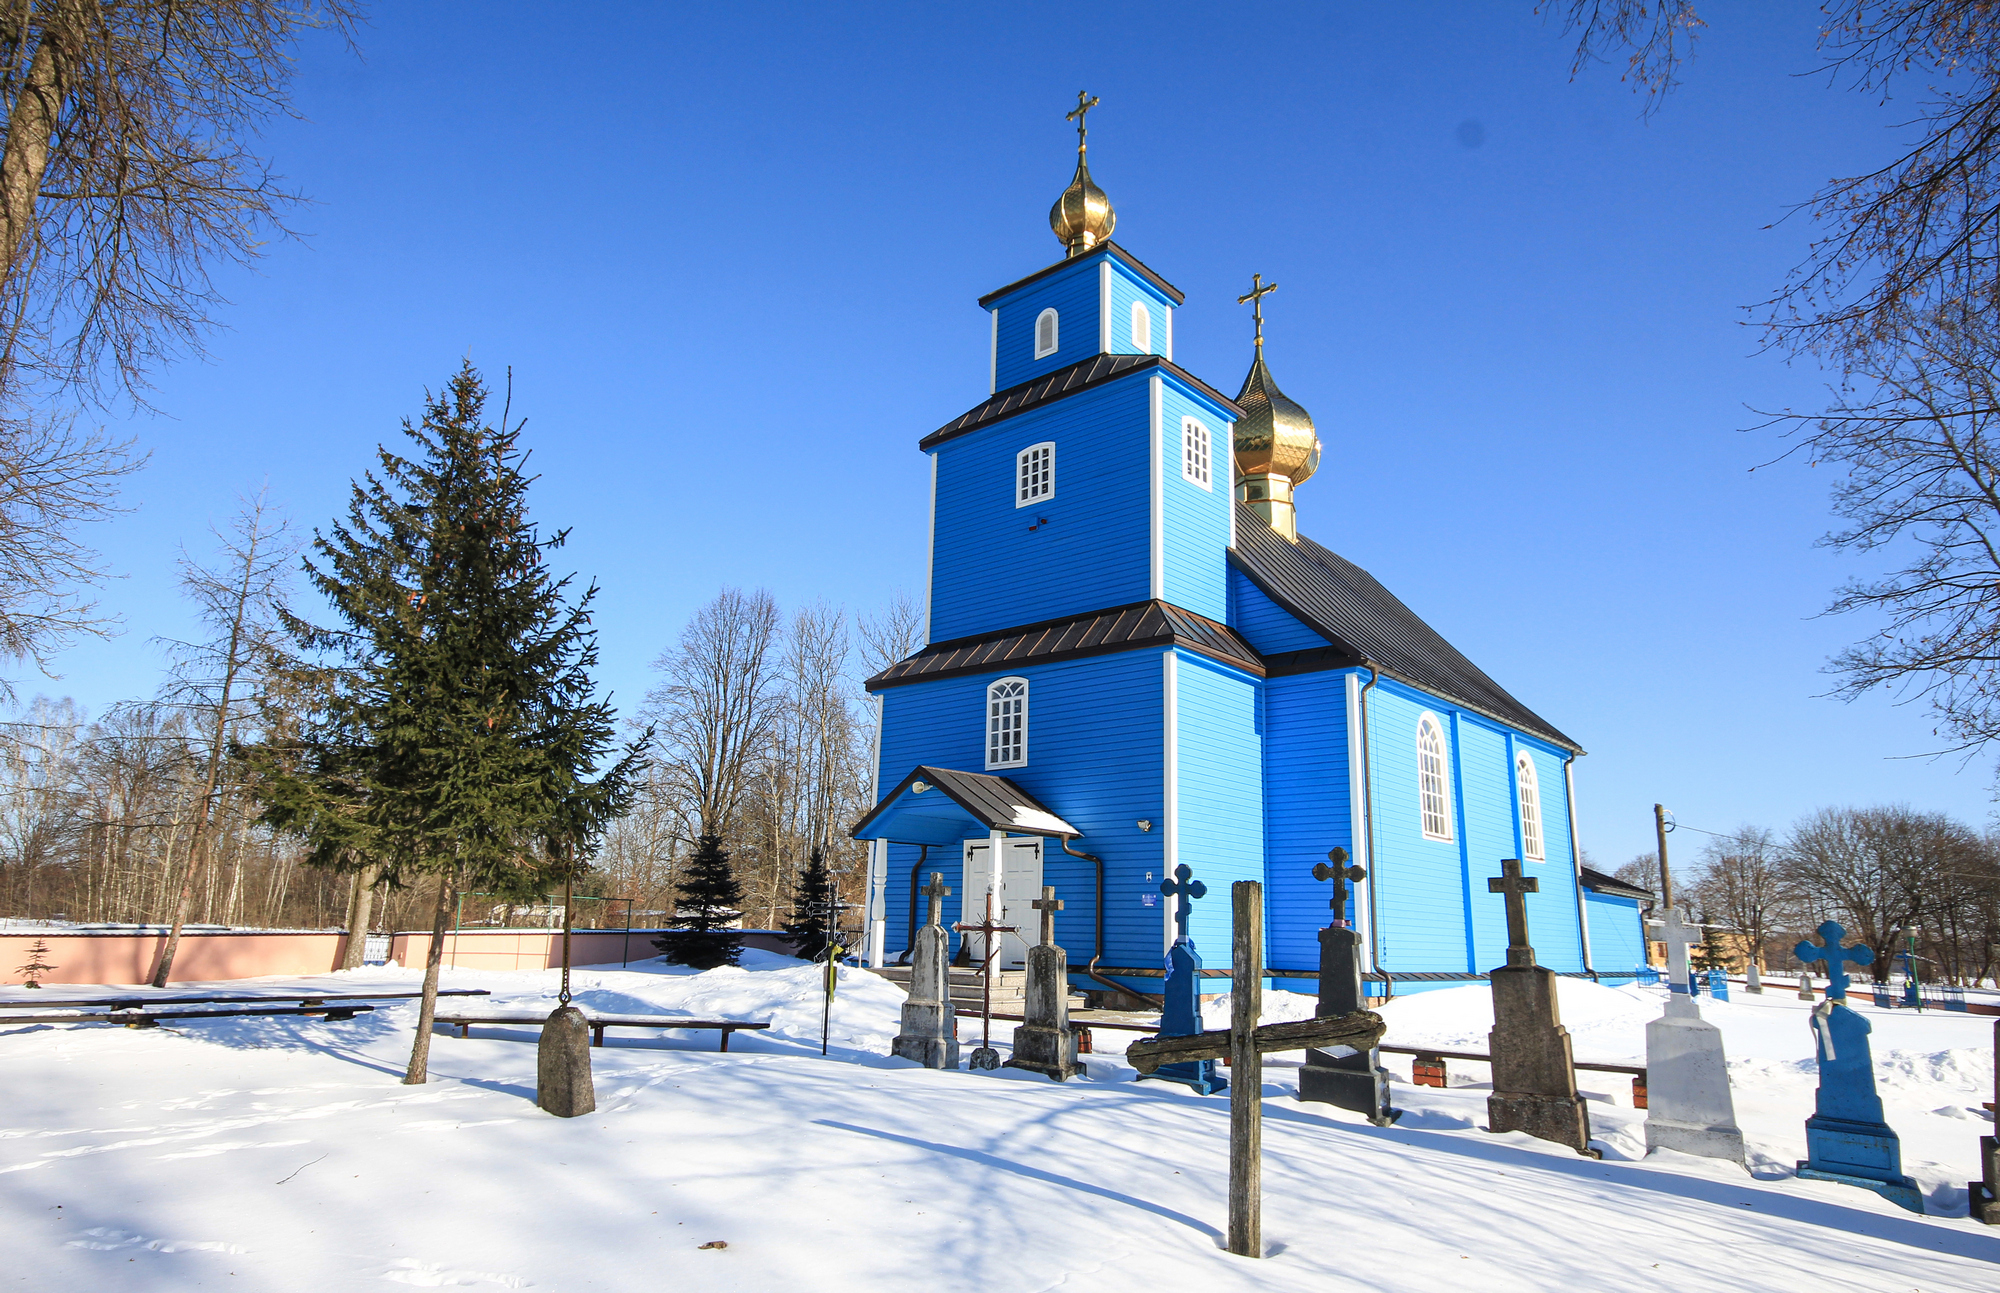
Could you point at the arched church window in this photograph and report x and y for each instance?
(1035, 473)
(1194, 453)
(1531, 806)
(1007, 723)
(1045, 334)
(1433, 786)
(1142, 328)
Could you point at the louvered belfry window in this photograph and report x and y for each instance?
(1034, 474)
(1531, 806)
(1142, 328)
(1433, 790)
(1007, 723)
(1194, 452)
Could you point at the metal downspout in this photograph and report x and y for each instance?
(1097, 948)
(910, 938)
(1368, 819)
(1576, 863)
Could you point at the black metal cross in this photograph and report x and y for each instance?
(1187, 889)
(1516, 886)
(1341, 876)
(1048, 904)
(937, 893)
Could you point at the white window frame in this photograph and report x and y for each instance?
(1528, 792)
(1142, 328)
(1434, 809)
(1197, 454)
(1054, 321)
(1001, 692)
(1022, 484)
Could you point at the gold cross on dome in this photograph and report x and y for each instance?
(1259, 289)
(1084, 103)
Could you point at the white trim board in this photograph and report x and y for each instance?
(1357, 816)
(993, 363)
(1171, 804)
(930, 549)
(1104, 306)
(1156, 396)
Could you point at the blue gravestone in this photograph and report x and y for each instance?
(1846, 1139)
(1718, 985)
(1180, 1015)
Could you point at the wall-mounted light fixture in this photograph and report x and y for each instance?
(1145, 823)
(918, 787)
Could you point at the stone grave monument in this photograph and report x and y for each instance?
(1357, 1081)
(1805, 986)
(1045, 1043)
(1688, 1103)
(1180, 1013)
(1846, 1138)
(930, 1022)
(1983, 1202)
(1534, 1076)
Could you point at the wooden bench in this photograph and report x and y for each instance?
(598, 1023)
(309, 1003)
(152, 1018)
(1428, 1068)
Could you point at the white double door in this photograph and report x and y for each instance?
(1020, 885)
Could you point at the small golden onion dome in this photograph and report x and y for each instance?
(1082, 217)
(1275, 437)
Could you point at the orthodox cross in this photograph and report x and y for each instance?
(1048, 904)
(1833, 954)
(937, 893)
(1185, 890)
(1677, 935)
(1084, 103)
(1246, 1043)
(1341, 877)
(1259, 289)
(1516, 886)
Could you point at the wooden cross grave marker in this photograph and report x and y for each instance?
(1245, 1043)
(1341, 876)
(986, 1057)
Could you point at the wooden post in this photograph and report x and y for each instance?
(1246, 1072)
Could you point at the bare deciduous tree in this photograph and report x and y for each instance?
(127, 173)
(716, 705)
(1879, 870)
(216, 680)
(1741, 886)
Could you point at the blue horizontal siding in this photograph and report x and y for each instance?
(1263, 623)
(1095, 757)
(1196, 540)
(1072, 292)
(1127, 288)
(1617, 945)
(990, 571)
(1307, 809)
(1220, 767)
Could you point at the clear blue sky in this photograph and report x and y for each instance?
(732, 255)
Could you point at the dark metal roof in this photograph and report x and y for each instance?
(1078, 376)
(1346, 605)
(1602, 883)
(1122, 628)
(995, 802)
(1110, 247)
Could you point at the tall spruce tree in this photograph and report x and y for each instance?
(704, 936)
(457, 736)
(815, 909)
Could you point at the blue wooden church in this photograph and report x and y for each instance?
(1135, 661)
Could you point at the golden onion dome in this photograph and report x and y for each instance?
(1082, 217)
(1275, 436)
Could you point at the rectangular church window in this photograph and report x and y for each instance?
(1035, 474)
(1195, 453)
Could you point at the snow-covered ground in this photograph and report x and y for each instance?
(284, 1154)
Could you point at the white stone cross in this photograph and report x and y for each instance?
(1677, 935)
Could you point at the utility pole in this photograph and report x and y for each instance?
(1666, 877)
